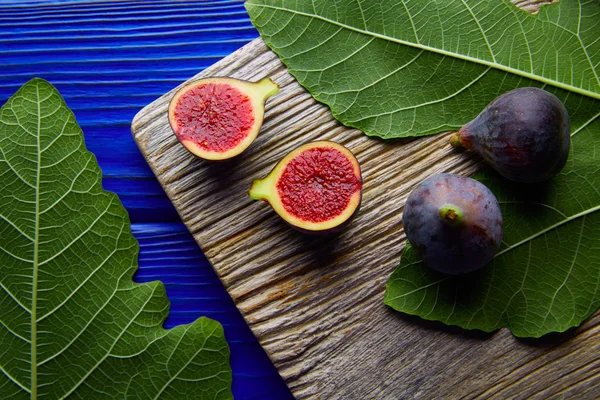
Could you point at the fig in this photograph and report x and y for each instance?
(218, 118)
(523, 134)
(316, 188)
(453, 222)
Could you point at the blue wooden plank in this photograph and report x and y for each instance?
(109, 59)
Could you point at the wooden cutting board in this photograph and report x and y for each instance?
(316, 305)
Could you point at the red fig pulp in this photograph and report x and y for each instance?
(218, 118)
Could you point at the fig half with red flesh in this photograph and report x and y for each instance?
(218, 118)
(315, 188)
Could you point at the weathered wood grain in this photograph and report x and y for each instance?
(317, 305)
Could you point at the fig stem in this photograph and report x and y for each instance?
(455, 140)
(261, 189)
(451, 214)
(265, 88)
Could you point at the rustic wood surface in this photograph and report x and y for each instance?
(316, 305)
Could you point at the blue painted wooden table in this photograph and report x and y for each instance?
(109, 59)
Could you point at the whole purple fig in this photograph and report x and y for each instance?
(453, 222)
(523, 134)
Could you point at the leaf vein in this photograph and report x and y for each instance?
(429, 102)
(69, 190)
(62, 131)
(400, 68)
(15, 333)
(206, 337)
(15, 171)
(12, 296)
(551, 227)
(339, 61)
(86, 280)
(318, 44)
(16, 228)
(419, 288)
(572, 266)
(14, 380)
(481, 30)
(65, 248)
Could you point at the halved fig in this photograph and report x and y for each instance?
(218, 118)
(315, 188)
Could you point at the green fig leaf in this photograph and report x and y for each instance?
(73, 323)
(410, 68)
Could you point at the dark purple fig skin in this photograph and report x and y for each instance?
(523, 134)
(453, 248)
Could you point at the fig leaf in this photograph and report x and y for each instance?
(73, 322)
(411, 68)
